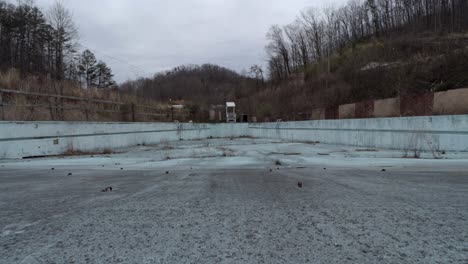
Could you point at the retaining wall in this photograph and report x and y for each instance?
(436, 133)
(347, 111)
(31, 139)
(387, 108)
(451, 102)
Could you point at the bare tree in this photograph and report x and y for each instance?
(65, 35)
(317, 34)
(279, 46)
(314, 26)
(256, 72)
(299, 47)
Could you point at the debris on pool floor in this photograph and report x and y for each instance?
(234, 201)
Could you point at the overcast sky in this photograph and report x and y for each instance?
(156, 35)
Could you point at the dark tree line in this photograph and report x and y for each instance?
(205, 84)
(316, 34)
(44, 44)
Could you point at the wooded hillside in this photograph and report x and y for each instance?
(364, 50)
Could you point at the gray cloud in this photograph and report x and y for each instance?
(156, 35)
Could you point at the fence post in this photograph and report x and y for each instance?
(1, 107)
(51, 109)
(133, 113)
(172, 113)
(62, 111)
(87, 109)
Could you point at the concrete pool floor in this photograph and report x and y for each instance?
(235, 201)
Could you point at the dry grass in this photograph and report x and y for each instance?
(13, 80)
(34, 108)
(73, 152)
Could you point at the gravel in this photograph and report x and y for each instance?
(232, 214)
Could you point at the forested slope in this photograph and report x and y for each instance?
(364, 50)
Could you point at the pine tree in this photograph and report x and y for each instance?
(104, 75)
(45, 44)
(87, 69)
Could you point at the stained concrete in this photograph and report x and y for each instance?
(437, 134)
(429, 133)
(235, 201)
(27, 139)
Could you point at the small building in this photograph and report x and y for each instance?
(217, 113)
(231, 116)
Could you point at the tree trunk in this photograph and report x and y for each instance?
(2, 110)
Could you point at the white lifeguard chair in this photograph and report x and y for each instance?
(231, 116)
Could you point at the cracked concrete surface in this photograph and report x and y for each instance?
(225, 201)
